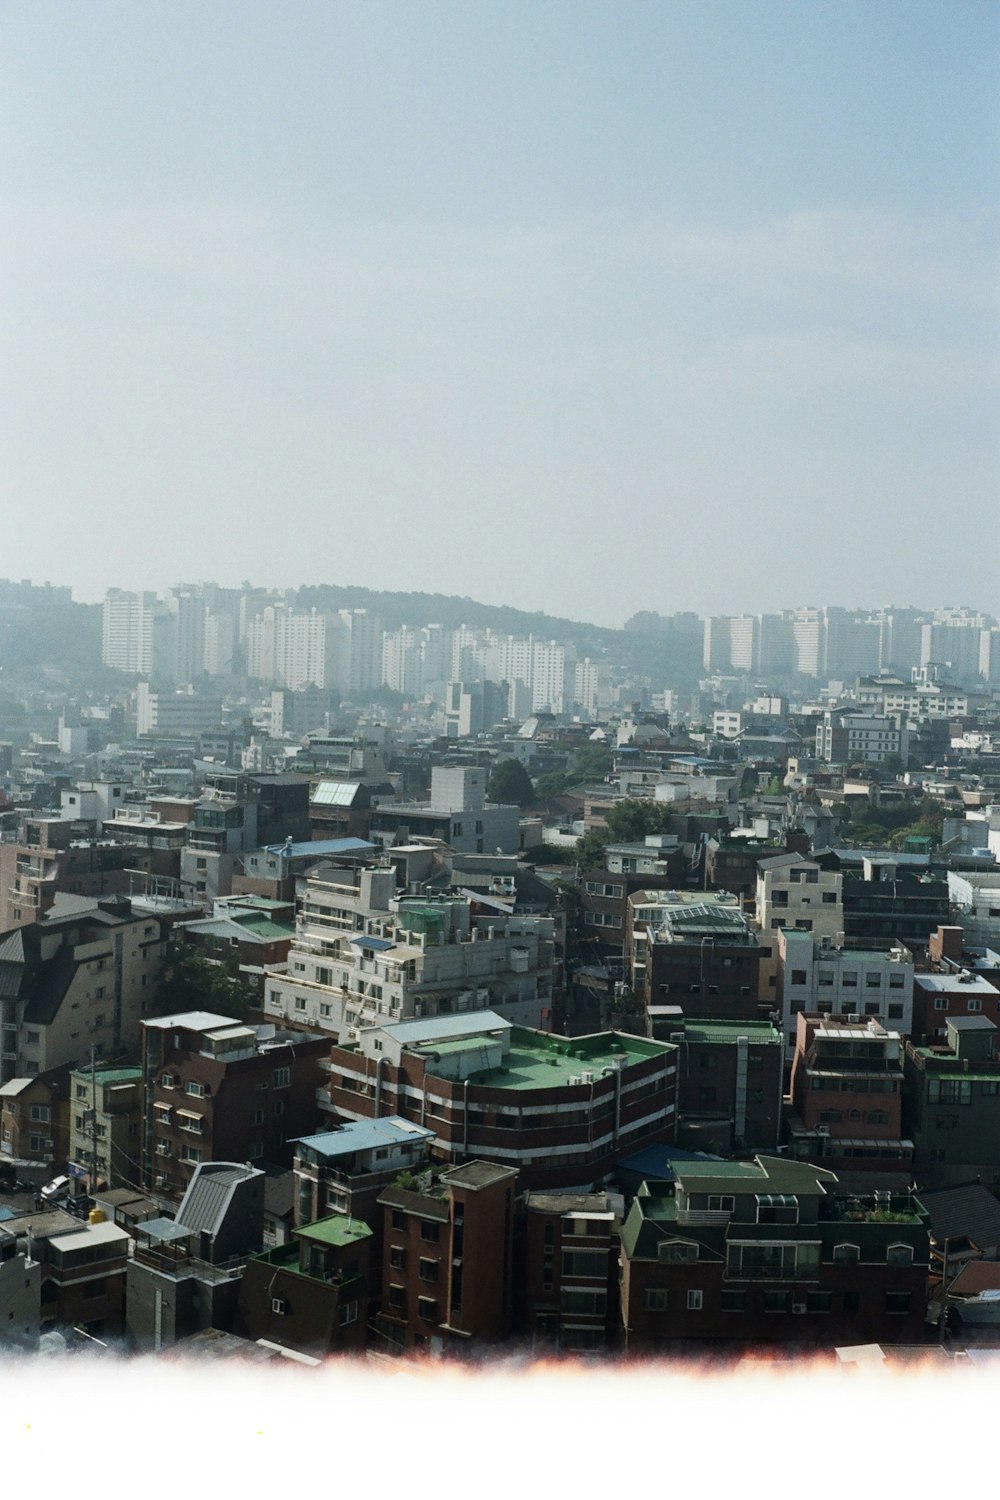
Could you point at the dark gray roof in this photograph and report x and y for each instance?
(969, 1212)
(204, 1205)
(416, 1203)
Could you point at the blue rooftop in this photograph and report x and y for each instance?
(365, 1135)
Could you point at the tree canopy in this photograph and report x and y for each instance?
(510, 782)
(189, 981)
(627, 822)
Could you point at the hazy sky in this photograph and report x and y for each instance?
(574, 306)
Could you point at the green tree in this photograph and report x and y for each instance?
(591, 762)
(551, 784)
(190, 981)
(510, 782)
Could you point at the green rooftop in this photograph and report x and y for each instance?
(729, 1031)
(537, 1060)
(108, 1075)
(338, 1229)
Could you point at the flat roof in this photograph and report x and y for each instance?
(445, 1028)
(336, 1230)
(729, 1031)
(191, 1020)
(364, 1135)
(90, 1234)
(537, 1060)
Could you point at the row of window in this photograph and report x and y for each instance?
(657, 1299)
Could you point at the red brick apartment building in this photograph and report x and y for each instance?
(567, 1272)
(215, 1090)
(447, 1274)
(560, 1110)
(847, 1096)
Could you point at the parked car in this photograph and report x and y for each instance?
(56, 1191)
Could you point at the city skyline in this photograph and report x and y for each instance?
(584, 308)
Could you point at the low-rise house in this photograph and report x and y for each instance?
(105, 1126)
(184, 1274)
(82, 1269)
(953, 1103)
(738, 1254)
(311, 1294)
(34, 1124)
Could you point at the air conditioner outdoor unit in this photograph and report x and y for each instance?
(575, 1078)
(161, 1179)
(798, 1307)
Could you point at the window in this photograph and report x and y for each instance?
(899, 1255)
(975, 1003)
(678, 1252)
(655, 1299)
(428, 1270)
(733, 1301)
(348, 1314)
(897, 1302)
(829, 898)
(300, 1003)
(397, 1258)
(255, 1152)
(819, 1302)
(721, 1203)
(40, 1113)
(583, 1302)
(798, 976)
(397, 1296)
(324, 976)
(398, 1219)
(849, 979)
(279, 1306)
(897, 981)
(825, 978)
(694, 1300)
(873, 981)
(584, 1263)
(282, 1078)
(190, 1153)
(846, 1254)
(427, 1308)
(196, 1090)
(941, 1002)
(776, 1301)
(430, 1232)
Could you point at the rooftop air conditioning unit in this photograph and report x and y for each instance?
(588, 1077)
(575, 1078)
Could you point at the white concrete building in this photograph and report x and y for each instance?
(821, 978)
(363, 956)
